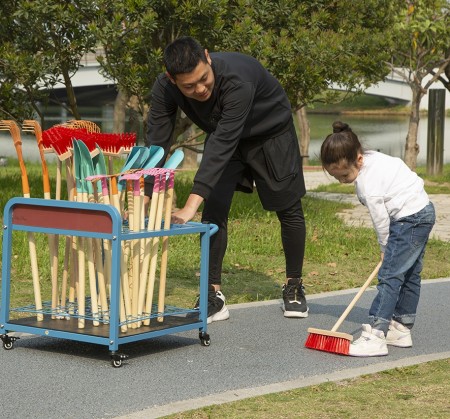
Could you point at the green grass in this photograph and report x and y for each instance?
(415, 392)
(337, 257)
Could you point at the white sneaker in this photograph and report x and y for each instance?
(371, 343)
(398, 335)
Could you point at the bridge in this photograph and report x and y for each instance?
(393, 87)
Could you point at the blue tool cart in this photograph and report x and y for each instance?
(96, 221)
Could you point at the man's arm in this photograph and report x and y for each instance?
(160, 125)
(189, 210)
(162, 116)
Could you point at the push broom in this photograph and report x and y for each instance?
(332, 340)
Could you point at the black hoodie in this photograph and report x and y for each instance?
(247, 103)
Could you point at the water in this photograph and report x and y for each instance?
(384, 133)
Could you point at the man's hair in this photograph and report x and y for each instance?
(183, 55)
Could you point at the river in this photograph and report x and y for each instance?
(384, 133)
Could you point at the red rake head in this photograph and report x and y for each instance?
(115, 144)
(60, 140)
(111, 144)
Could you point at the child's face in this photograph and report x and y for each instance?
(345, 172)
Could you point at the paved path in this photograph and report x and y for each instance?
(257, 351)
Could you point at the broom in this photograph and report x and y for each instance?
(331, 340)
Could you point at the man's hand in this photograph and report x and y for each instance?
(188, 212)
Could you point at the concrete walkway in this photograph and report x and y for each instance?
(257, 351)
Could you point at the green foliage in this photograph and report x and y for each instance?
(307, 45)
(41, 44)
(422, 32)
(135, 32)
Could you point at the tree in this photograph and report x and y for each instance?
(422, 49)
(306, 45)
(42, 44)
(133, 34)
(311, 45)
(20, 72)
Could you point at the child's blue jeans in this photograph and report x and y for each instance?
(399, 275)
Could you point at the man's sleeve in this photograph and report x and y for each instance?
(160, 125)
(161, 118)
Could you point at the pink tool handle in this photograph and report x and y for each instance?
(105, 190)
(162, 182)
(157, 184)
(171, 180)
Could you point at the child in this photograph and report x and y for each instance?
(403, 217)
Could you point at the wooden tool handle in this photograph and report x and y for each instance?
(356, 297)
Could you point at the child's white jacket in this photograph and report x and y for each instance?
(389, 189)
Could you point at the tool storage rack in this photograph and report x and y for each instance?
(102, 222)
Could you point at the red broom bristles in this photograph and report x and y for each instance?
(331, 340)
(329, 343)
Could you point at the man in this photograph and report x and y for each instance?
(251, 139)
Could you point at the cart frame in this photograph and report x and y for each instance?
(102, 222)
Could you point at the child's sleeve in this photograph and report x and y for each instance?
(380, 218)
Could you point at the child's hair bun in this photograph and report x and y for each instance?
(339, 126)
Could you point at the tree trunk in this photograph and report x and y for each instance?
(120, 106)
(134, 117)
(305, 134)
(71, 98)
(411, 146)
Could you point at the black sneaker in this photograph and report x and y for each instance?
(294, 301)
(217, 310)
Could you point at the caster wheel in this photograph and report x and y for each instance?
(8, 345)
(8, 341)
(116, 363)
(205, 340)
(117, 359)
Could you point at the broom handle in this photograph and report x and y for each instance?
(356, 298)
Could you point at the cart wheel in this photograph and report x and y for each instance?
(8, 345)
(116, 363)
(205, 340)
(8, 341)
(117, 359)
